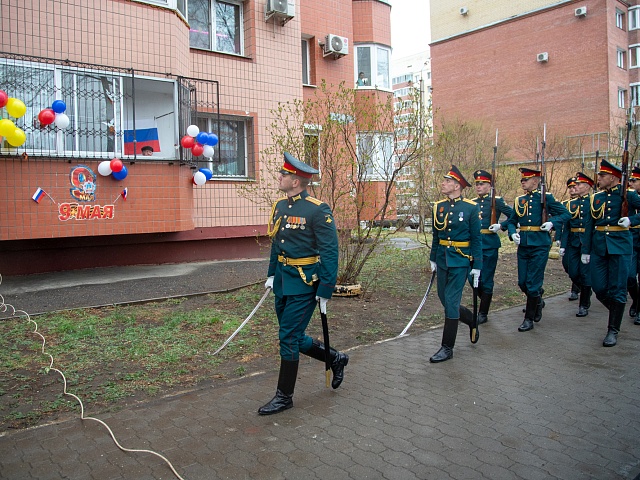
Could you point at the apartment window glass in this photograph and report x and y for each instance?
(634, 56)
(312, 148)
(234, 144)
(621, 97)
(372, 66)
(634, 18)
(620, 19)
(375, 155)
(635, 94)
(305, 62)
(216, 25)
(621, 55)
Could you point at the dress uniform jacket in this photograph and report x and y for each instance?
(572, 238)
(491, 240)
(303, 228)
(456, 221)
(527, 213)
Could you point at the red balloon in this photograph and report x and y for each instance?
(46, 116)
(187, 141)
(4, 98)
(116, 165)
(197, 150)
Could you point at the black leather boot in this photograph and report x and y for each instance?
(537, 316)
(283, 399)
(448, 341)
(529, 313)
(616, 313)
(575, 290)
(483, 310)
(632, 288)
(442, 355)
(338, 360)
(585, 302)
(466, 317)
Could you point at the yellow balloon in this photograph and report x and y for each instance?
(17, 138)
(16, 108)
(7, 127)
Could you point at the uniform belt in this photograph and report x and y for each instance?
(451, 243)
(298, 262)
(486, 231)
(611, 228)
(637, 226)
(530, 229)
(577, 230)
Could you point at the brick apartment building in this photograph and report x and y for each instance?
(517, 65)
(127, 66)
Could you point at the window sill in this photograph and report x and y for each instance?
(227, 54)
(309, 85)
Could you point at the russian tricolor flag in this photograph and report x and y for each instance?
(38, 195)
(146, 134)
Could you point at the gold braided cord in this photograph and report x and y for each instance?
(597, 213)
(574, 213)
(470, 257)
(440, 225)
(521, 212)
(272, 228)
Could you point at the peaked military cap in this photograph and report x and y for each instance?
(635, 173)
(571, 182)
(456, 175)
(582, 178)
(294, 166)
(482, 176)
(529, 173)
(611, 169)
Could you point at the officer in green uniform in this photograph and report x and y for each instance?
(574, 294)
(572, 239)
(490, 240)
(634, 267)
(456, 250)
(303, 268)
(608, 247)
(534, 241)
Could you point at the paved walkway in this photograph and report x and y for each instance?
(550, 403)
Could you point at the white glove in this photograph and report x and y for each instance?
(434, 266)
(269, 283)
(561, 252)
(546, 226)
(558, 243)
(584, 258)
(323, 303)
(475, 274)
(624, 222)
(516, 238)
(495, 228)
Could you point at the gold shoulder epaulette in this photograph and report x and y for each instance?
(440, 201)
(469, 201)
(314, 200)
(279, 200)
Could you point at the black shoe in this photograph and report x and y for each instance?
(445, 353)
(340, 360)
(526, 325)
(582, 311)
(611, 339)
(573, 296)
(633, 311)
(277, 404)
(482, 318)
(637, 320)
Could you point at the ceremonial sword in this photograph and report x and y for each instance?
(244, 323)
(424, 299)
(327, 349)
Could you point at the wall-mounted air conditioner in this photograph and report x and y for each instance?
(581, 12)
(282, 10)
(336, 45)
(464, 10)
(543, 57)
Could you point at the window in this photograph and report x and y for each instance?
(372, 66)
(178, 5)
(375, 155)
(621, 55)
(234, 144)
(216, 25)
(634, 56)
(635, 94)
(99, 105)
(634, 18)
(621, 97)
(620, 19)
(312, 148)
(305, 62)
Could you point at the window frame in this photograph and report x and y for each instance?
(619, 19)
(374, 65)
(634, 18)
(620, 57)
(622, 101)
(634, 56)
(247, 124)
(306, 60)
(213, 32)
(377, 163)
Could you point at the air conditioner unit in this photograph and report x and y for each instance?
(581, 12)
(283, 10)
(464, 10)
(543, 57)
(336, 45)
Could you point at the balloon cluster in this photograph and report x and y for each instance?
(201, 176)
(113, 167)
(200, 143)
(15, 108)
(55, 115)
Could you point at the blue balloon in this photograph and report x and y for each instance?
(121, 175)
(58, 106)
(207, 173)
(213, 139)
(202, 138)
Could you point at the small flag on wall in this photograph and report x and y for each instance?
(123, 194)
(38, 195)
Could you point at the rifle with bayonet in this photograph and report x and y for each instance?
(494, 216)
(624, 180)
(543, 180)
(595, 172)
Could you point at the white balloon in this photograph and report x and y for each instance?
(62, 120)
(199, 178)
(193, 130)
(104, 168)
(208, 151)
